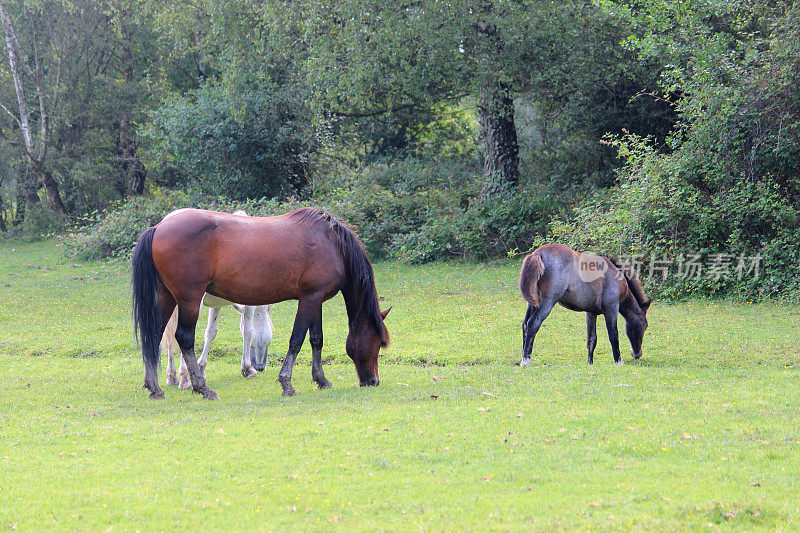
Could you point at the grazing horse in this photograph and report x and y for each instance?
(554, 273)
(305, 255)
(256, 328)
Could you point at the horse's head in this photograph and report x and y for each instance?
(262, 336)
(363, 343)
(256, 327)
(635, 326)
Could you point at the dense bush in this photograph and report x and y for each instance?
(409, 210)
(116, 231)
(40, 221)
(242, 142)
(419, 212)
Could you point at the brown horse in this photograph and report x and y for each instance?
(554, 273)
(305, 255)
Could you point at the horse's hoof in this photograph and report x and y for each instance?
(618, 363)
(324, 384)
(185, 384)
(249, 372)
(157, 395)
(288, 392)
(209, 394)
(525, 362)
(172, 380)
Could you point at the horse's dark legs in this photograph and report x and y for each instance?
(613, 335)
(306, 312)
(528, 314)
(315, 337)
(591, 335)
(184, 334)
(166, 304)
(531, 327)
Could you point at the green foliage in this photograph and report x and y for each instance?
(420, 212)
(236, 143)
(730, 186)
(40, 222)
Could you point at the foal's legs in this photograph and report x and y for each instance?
(306, 311)
(315, 331)
(208, 337)
(531, 327)
(246, 327)
(169, 344)
(591, 335)
(613, 335)
(188, 310)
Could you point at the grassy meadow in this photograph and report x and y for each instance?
(702, 433)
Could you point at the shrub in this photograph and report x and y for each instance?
(40, 221)
(117, 230)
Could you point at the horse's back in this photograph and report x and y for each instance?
(251, 260)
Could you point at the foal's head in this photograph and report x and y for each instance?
(635, 326)
(364, 341)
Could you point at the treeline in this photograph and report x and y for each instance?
(437, 128)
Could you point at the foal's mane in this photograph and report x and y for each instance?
(359, 273)
(632, 279)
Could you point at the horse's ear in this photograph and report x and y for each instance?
(384, 313)
(646, 305)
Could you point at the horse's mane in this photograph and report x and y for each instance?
(357, 265)
(632, 279)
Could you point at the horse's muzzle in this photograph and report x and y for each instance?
(258, 359)
(636, 355)
(371, 382)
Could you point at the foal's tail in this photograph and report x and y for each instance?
(146, 314)
(532, 270)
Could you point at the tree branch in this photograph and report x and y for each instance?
(12, 115)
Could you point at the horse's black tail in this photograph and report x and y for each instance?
(146, 313)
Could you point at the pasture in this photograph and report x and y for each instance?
(702, 432)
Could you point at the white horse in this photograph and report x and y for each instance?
(255, 325)
(256, 328)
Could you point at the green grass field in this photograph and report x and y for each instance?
(703, 432)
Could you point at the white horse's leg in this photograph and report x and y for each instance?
(246, 327)
(183, 372)
(262, 336)
(168, 344)
(208, 337)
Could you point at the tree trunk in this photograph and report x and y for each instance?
(132, 167)
(28, 185)
(2, 214)
(15, 61)
(496, 113)
(51, 187)
(499, 139)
